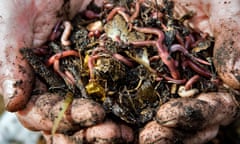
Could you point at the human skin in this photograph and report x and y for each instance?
(219, 18)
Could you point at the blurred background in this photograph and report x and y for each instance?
(12, 132)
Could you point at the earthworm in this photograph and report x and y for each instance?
(125, 16)
(178, 47)
(137, 9)
(55, 32)
(56, 67)
(91, 14)
(70, 76)
(123, 59)
(149, 30)
(197, 68)
(60, 55)
(107, 4)
(171, 80)
(66, 33)
(163, 53)
(191, 81)
(54, 60)
(188, 41)
(91, 65)
(114, 12)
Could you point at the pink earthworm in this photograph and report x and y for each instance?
(66, 33)
(191, 81)
(60, 55)
(197, 68)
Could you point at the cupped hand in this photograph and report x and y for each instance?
(26, 24)
(29, 24)
(201, 117)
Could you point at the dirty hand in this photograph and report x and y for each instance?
(203, 115)
(28, 24)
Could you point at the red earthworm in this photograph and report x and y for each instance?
(56, 27)
(155, 31)
(191, 81)
(55, 33)
(163, 53)
(144, 43)
(70, 76)
(164, 27)
(178, 47)
(125, 16)
(179, 39)
(91, 65)
(137, 10)
(98, 49)
(188, 41)
(168, 60)
(114, 12)
(60, 55)
(158, 78)
(57, 69)
(120, 10)
(123, 59)
(200, 60)
(171, 80)
(197, 68)
(91, 14)
(154, 58)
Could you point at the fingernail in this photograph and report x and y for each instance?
(8, 90)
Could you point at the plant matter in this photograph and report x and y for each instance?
(131, 57)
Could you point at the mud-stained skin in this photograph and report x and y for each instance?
(153, 133)
(183, 114)
(192, 114)
(227, 54)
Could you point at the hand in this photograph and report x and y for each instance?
(37, 18)
(203, 116)
(18, 80)
(28, 24)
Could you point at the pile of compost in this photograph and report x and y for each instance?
(131, 57)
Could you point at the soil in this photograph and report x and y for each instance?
(130, 80)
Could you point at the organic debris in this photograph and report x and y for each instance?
(130, 56)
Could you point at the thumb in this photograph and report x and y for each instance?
(225, 21)
(16, 77)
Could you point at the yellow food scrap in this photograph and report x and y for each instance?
(68, 100)
(94, 88)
